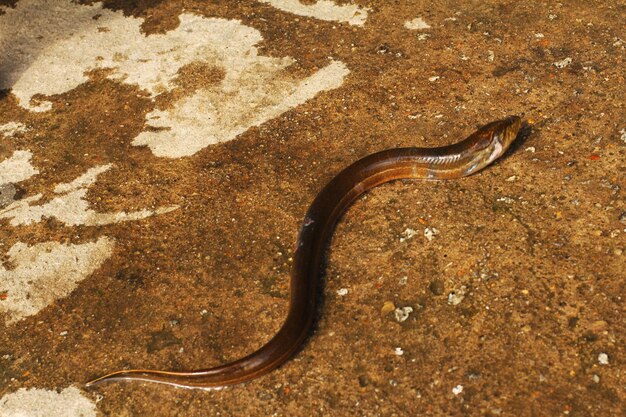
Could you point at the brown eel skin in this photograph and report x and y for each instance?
(446, 162)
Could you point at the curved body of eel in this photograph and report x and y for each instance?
(447, 162)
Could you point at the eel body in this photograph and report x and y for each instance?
(447, 162)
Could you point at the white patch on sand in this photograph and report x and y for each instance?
(47, 403)
(51, 49)
(17, 168)
(45, 272)
(416, 24)
(323, 10)
(563, 63)
(70, 207)
(84, 181)
(250, 97)
(12, 128)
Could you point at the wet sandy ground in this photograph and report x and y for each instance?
(179, 259)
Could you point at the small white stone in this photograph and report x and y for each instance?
(457, 390)
(342, 292)
(433, 78)
(402, 313)
(563, 63)
(603, 359)
(530, 149)
(595, 378)
(407, 234)
(539, 35)
(455, 297)
(398, 351)
(64, 333)
(430, 233)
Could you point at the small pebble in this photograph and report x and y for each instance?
(407, 234)
(436, 287)
(603, 359)
(455, 297)
(398, 351)
(595, 378)
(387, 308)
(457, 390)
(430, 233)
(401, 314)
(403, 280)
(342, 291)
(563, 63)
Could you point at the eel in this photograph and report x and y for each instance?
(446, 162)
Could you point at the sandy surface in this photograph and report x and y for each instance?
(157, 159)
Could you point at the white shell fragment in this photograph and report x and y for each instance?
(402, 313)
